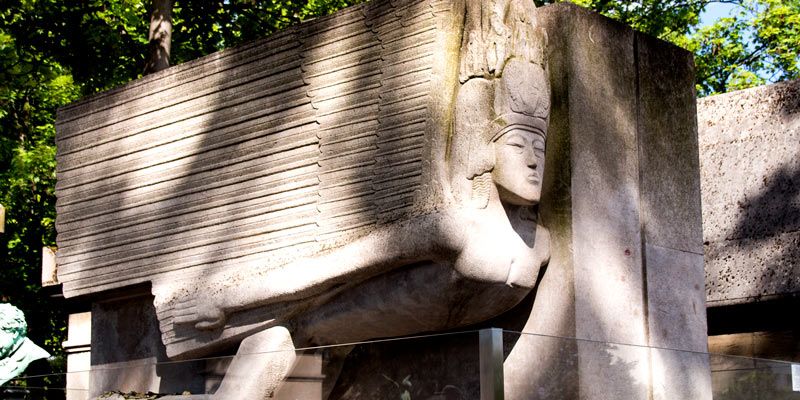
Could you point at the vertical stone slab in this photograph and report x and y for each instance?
(78, 349)
(623, 119)
(671, 220)
(677, 324)
(605, 206)
(668, 152)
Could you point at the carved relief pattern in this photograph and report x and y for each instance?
(407, 41)
(342, 65)
(247, 157)
(243, 152)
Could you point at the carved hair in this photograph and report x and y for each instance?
(12, 321)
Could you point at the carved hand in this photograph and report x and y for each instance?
(200, 310)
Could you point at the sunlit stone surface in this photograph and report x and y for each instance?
(381, 172)
(750, 146)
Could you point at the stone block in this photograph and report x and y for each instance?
(49, 267)
(677, 324)
(676, 301)
(750, 165)
(606, 238)
(751, 269)
(668, 154)
(680, 375)
(78, 366)
(78, 349)
(613, 371)
(128, 355)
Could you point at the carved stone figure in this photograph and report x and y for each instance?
(467, 262)
(375, 173)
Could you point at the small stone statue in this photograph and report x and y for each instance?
(460, 265)
(16, 350)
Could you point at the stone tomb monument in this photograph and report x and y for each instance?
(381, 172)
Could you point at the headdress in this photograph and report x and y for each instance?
(505, 84)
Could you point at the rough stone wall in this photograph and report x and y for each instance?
(750, 165)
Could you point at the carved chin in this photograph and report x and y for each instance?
(528, 196)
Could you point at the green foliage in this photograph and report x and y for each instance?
(663, 19)
(32, 86)
(101, 43)
(757, 45)
(200, 28)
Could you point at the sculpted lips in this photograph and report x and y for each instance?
(533, 177)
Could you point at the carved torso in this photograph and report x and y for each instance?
(494, 252)
(496, 268)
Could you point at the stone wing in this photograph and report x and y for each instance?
(251, 157)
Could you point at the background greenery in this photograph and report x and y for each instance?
(53, 52)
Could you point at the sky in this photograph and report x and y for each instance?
(715, 11)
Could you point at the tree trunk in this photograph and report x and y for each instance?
(160, 37)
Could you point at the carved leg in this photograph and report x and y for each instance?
(259, 367)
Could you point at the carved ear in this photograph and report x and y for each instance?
(467, 156)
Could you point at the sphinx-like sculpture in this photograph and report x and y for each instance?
(462, 264)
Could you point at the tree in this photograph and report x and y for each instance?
(759, 44)
(32, 86)
(160, 37)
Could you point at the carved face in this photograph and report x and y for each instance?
(519, 166)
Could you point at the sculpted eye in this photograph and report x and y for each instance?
(516, 147)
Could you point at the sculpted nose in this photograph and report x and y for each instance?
(530, 158)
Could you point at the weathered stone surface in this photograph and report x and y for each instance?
(668, 154)
(625, 102)
(606, 259)
(676, 314)
(586, 114)
(690, 369)
(49, 267)
(677, 324)
(671, 221)
(471, 250)
(127, 354)
(252, 156)
(750, 164)
(377, 173)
